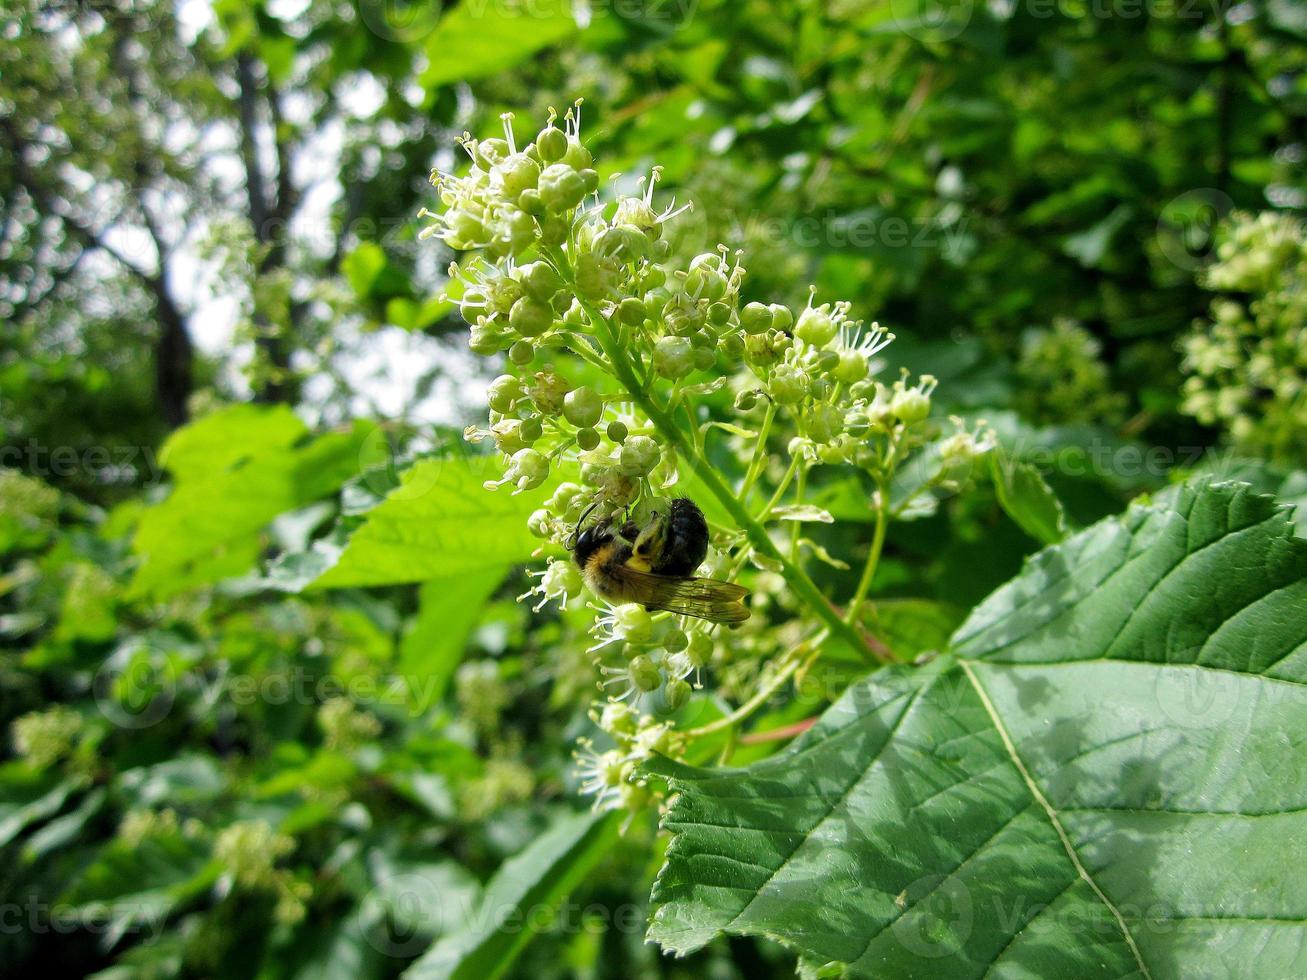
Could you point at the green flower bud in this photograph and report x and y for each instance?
(816, 327)
(508, 436)
(645, 674)
(852, 367)
(596, 276)
(824, 423)
(522, 353)
(719, 314)
(530, 317)
(466, 230)
(532, 429)
(577, 156)
(561, 187)
(587, 439)
(639, 455)
(539, 523)
(787, 385)
(705, 279)
(527, 470)
(675, 641)
(673, 357)
(551, 144)
(699, 649)
(515, 231)
(910, 405)
(503, 393)
(515, 174)
(554, 230)
(564, 496)
(746, 400)
(703, 340)
(625, 242)
(539, 280)
(634, 623)
(653, 277)
(677, 694)
(631, 311)
(583, 407)
(590, 178)
(704, 358)
(781, 317)
(682, 316)
(618, 718)
(828, 361)
(531, 202)
(732, 345)
(486, 153)
(486, 338)
(755, 318)
(617, 432)
(592, 474)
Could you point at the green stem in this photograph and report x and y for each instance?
(873, 556)
(759, 451)
(780, 489)
(793, 574)
(762, 696)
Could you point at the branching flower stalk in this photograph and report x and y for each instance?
(567, 281)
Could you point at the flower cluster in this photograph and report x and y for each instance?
(1247, 367)
(623, 363)
(45, 737)
(344, 726)
(249, 849)
(1064, 378)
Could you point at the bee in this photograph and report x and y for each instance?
(655, 564)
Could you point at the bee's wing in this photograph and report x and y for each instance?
(704, 598)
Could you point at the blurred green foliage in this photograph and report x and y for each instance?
(277, 712)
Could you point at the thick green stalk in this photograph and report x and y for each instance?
(793, 574)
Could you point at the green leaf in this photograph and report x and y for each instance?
(233, 472)
(448, 608)
(508, 915)
(439, 522)
(1101, 779)
(141, 883)
(29, 797)
(1027, 498)
(477, 39)
(912, 626)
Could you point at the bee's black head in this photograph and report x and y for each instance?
(589, 541)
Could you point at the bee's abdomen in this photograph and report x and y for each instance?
(687, 540)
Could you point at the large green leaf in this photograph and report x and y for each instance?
(479, 38)
(439, 522)
(1099, 780)
(448, 608)
(233, 472)
(509, 913)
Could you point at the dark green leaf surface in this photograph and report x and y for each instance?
(510, 910)
(1101, 779)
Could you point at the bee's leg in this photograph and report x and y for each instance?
(651, 541)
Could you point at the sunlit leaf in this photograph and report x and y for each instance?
(438, 522)
(1099, 780)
